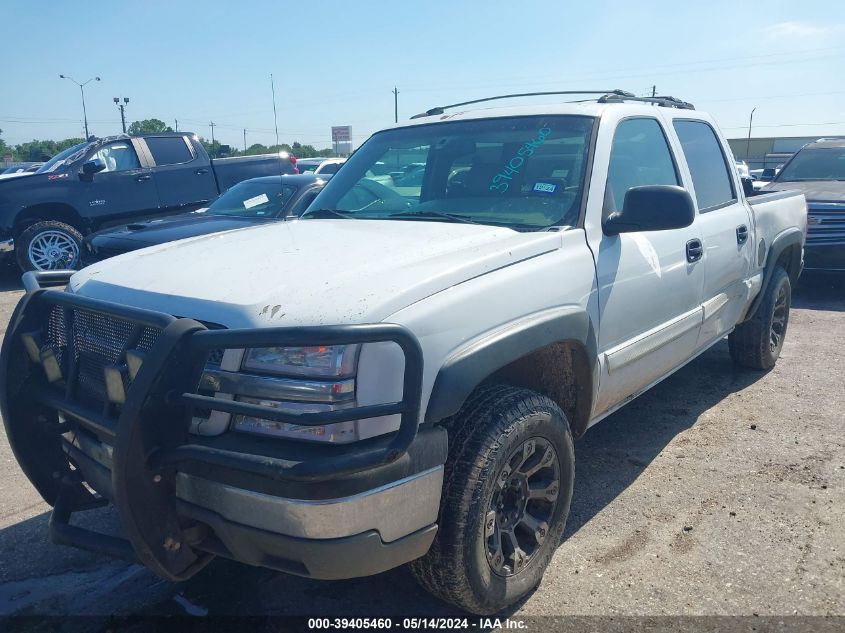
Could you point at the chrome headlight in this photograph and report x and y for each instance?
(323, 361)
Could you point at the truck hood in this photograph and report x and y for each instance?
(18, 174)
(307, 272)
(814, 190)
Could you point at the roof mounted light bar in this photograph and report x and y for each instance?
(441, 109)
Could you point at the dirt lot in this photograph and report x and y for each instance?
(718, 492)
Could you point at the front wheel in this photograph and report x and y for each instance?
(506, 495)
(49, 245)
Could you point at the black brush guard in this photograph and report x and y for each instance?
(150, 436)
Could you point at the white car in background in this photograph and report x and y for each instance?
(319, 165)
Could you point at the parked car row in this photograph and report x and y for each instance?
(44, 216)
(19, 169)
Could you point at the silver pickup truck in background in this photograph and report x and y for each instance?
(412, 393)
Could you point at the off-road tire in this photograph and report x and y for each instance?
(493, 423)
(751, 343)
(31, 233)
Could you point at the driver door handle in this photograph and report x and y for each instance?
(741, 234)
(201, 171)
(695, 250)
(143, 177)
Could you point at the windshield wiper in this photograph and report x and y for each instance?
(432, 214)
(327, 213)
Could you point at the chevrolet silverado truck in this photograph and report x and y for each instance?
(398, 376)
(114, 180)
(818, 171)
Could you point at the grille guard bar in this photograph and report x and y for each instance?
(147, 446)
(203, 341)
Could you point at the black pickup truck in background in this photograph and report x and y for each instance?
(112, 180)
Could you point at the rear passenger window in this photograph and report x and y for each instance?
(707, 164)
(640, 155)
(169, 150)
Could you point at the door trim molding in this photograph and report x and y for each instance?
(646, 343)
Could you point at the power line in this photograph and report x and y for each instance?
(742, 127)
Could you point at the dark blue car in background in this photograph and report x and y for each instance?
(254, 201)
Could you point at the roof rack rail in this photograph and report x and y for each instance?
(620, 94)
(664, 101)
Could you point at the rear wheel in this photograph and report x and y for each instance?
(758, 342)
(506, 496)
(49, 245)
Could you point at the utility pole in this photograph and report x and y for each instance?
(244, 139)
(82, 92)
(395, 105)
(122, 106)
(654, 91)
(275, 120)
(212, 137)
(176, 121)
(748, 140)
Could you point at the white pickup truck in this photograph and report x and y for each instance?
(399, 375)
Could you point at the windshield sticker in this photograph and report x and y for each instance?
(254, 202)
(545, 187)
(501, 180)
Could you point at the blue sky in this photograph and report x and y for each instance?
(336, 62)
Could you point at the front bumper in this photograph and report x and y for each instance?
(324, 511)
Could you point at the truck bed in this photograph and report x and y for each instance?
(774, 213)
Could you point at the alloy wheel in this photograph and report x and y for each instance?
(779, 316)
(521, 506)
(53, 250)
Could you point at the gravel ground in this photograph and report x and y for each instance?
(719, 492)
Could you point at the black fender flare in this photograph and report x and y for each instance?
(786, 239)
(470, 365)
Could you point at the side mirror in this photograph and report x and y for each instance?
(91, 167)
(768, 174)
(652, 208)
(747, 186)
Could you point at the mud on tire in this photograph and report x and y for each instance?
(501, 434)
(757, 343)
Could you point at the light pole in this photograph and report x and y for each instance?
(82, 92)
(748, 140)
(122, 106)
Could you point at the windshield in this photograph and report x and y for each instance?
(305, 168)
(253, 200)
(815, 164)
(526, 173)
(62, 158)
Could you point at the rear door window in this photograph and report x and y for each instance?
(169, 150)
(707, 164)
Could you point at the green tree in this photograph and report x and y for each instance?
(36, 150)
(5, 149)
(148, 126)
